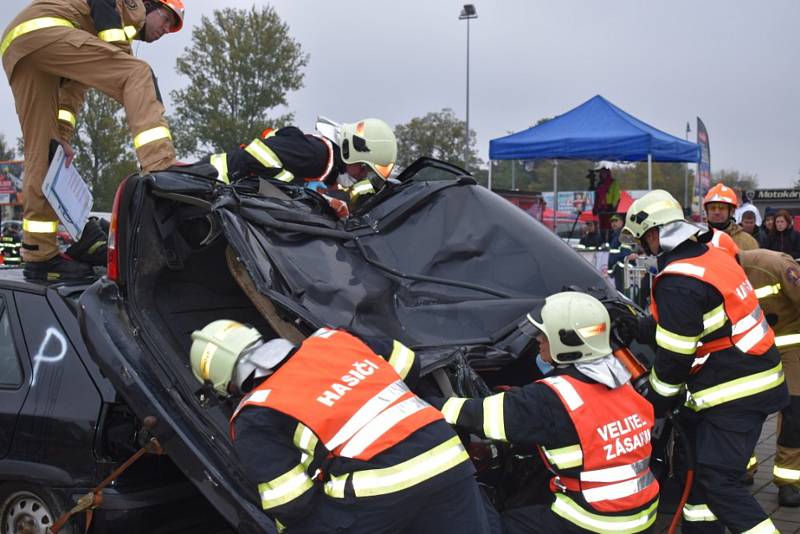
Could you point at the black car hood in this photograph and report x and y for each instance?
(431, 263)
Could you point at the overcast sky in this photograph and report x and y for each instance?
(734, 64)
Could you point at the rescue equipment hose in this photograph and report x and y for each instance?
(687, 485)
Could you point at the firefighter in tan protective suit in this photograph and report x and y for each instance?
(53, 51)
(776, 279)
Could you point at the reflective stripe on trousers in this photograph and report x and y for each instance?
(151, 136)
(65, 115)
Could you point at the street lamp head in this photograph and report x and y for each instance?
(468, 12)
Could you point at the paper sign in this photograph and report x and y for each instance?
(68, 194)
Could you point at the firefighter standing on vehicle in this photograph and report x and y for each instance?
(713, 341)
(775, 278)
(720, 204)
(357, 156)
(592, 428)
(53, 51)
(333, 436)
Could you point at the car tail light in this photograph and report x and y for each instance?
(113, 238)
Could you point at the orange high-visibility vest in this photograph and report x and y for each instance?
(614, 428)
(750, 332)
(351, 398)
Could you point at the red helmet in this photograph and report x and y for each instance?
(721, 193)
(176, 6)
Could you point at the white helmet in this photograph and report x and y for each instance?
(658, 209)
(368, 141)
(576, 325)
(227, 353)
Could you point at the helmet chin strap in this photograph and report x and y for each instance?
(719, 226)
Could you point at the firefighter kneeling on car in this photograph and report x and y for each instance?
(334, 438)
(592, 428)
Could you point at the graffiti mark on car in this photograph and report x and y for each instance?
(53, 337)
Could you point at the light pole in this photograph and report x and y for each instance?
(467, 12)
(686, 206)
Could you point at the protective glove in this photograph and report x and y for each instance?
(624, 329)
(339, 206)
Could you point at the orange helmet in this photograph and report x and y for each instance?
(721, 193)
(176, 6)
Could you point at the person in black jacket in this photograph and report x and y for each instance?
(334, 439)
(591, 427)
(713, 341)
(783, 237)
(357, 157)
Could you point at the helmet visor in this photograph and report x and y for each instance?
(626, 238)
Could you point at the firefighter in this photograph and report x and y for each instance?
(720, 204)
(776, 279)
(591, 427)
(357, 156)
(713, 341)
(53, 51)
(334, 438)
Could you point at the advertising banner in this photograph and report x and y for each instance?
(704, 167)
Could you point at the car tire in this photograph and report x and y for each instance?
(27, 508)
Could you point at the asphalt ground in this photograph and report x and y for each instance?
(787, 520)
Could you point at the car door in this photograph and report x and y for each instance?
(14, 382)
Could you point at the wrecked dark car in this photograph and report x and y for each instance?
(433, 260)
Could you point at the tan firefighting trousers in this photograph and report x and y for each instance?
(35, 85)
(787, 458)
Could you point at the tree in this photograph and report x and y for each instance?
(241, 65)
(102, 145)
(6, 151)
(735, 179)
(438, 135)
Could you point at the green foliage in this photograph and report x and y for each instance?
(241, 65)
(438, 135)
(6, 152)
(102, 144)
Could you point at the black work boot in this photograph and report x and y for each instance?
(91, 247)
(789, 496)
(57, 269)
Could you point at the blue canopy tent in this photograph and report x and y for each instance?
(596, 130)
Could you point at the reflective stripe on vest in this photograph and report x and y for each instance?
(32, 25)
(425, 466)
(220, 162)
(151, 136)
(612, 457)
(767, 291)
(65, 115)
(351, 399)
(359, 189)
(750, 332)
(402, 358)
(572, 512)
(697, 513)
(786, 473)
(736, 389)
(284, 488)
(40, 227)
(765, 527)
(116, 35)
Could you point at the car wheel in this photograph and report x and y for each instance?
(29, 509)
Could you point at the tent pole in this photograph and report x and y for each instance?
(555, 194)
(489, 184)
(649, 172)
